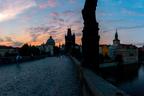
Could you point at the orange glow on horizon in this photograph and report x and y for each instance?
(6, 44)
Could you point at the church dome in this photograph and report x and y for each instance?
(50, 41)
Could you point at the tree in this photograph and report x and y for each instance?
(25, 50)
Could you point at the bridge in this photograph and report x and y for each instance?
(61, 76)
(52, 76)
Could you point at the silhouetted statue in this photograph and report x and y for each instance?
(90, 40)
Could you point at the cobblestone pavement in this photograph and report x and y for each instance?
(51, 76)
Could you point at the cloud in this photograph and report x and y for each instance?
(54, 14)
(48, 3)
(69, 13)
(38, 29)
(66, 13)
(63, 20)
(40, 34)
(36, 32)
(9, 9)
(122, 28)
(8, 41)
(57, 21)
(1, 40)
(53, 33)
(17, 44)
(52, 3)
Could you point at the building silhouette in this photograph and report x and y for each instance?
(48, 48)
(128, 52)
(50, 44)
(69, 40)
(116, 40)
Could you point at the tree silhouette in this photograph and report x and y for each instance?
(27, 50)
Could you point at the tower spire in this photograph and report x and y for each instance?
(116, 40)
(69, 31)
(116, 35)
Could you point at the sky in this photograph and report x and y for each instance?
(127, 16)
(33, 21)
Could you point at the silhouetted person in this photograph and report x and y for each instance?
(18, 59)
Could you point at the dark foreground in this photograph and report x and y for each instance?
(130, 79)
(47, 77)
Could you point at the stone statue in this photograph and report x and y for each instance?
(90, 39)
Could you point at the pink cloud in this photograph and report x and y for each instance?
(8, 41)
(49, 3)
(43, 6)
(54, 14)
(52, 3)
(69, 13)
(9, 9)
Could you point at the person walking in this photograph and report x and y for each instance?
(18, 59)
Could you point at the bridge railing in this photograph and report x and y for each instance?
(94, 85)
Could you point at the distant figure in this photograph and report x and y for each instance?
(18, 59)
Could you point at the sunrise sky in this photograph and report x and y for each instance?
(33, 21)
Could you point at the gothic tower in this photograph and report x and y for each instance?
(69, 40)
(116, 40)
